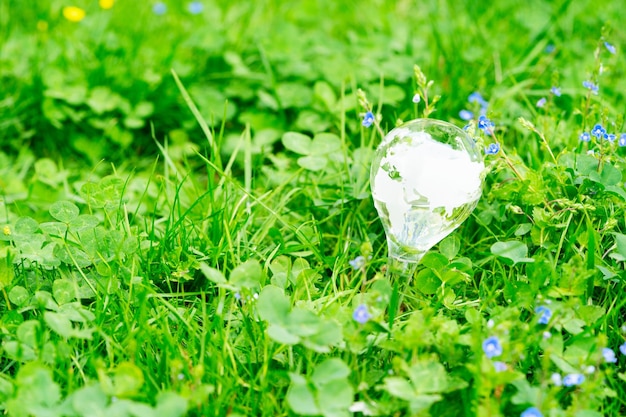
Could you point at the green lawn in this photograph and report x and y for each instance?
(187, 228)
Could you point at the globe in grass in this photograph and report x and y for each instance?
(426, 179)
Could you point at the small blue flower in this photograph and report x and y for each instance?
(492, 347)
(368, 119)
(195, 7)
(609, 136)
(486, 125)
(476, 97)
(591, 86)
(531, 412)
(361, 314)
(547, 335)
(550, 48)
(545, 313)
(541, 102)
(585, 137)
(609, 47)
(237, 296)
(416, 98)
(466, 115)
(159, 8)
(556, 379)
(622, 348)
(622, 142)
(598, 131)
(556, 91)
(358, 262)
(499, 366)
(609, 355)
(492, 149)
(573, 379)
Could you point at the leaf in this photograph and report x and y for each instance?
(619, 254)
(36, 386)
(90, 401)
(84, 222)
(427, 281)
(526, 394)
(64, 211)
(428, 377)
(335, 398)
(450, 246)
(325, 143)
(247, 275)
(26, 226)
(56, 229)
(170, 404)
(19, 295)
(297, 142)
(329, 334)
(59, 323)
(513, 250)
(127, 379)
(331, 369)
(300, 397)
(281, 334)
(63, 291)
(313, 162)
(273, 306)
(399, 388)
(214, 275)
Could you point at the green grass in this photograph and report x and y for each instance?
(181, 197)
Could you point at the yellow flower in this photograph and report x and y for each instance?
(6, 230)
(106, 4)
(73, 14)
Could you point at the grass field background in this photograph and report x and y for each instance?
(186, 225)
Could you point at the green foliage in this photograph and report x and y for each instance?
(214, 263)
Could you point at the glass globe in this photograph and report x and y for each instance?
(426, 178)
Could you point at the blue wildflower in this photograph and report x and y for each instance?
(556, 379)
(486, 125)
(622, 348)
(609, 47)
(416, 98)
(609, 136)
(492, 347)
(622, 142)
(499, 366)
(492, 149)
(358, 262)
(591, 86)
(368, 119)
(550, 48)
(361, 314)
(545, 314)
(195, 7)
(609, 355)
(476, 97)
(573, 379)
(159, 8)
(598, 131)
(466, 115)
(547, 335)
(531, 412)
(541, 102)
(585, 137)
(556, 91)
